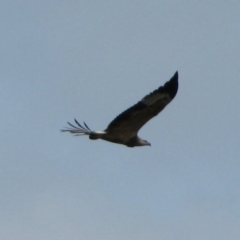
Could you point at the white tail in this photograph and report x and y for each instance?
(80, 130)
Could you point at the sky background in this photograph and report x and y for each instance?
(91, 60)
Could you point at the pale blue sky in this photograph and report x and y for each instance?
(91, 60)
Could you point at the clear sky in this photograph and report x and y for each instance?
(91, 60)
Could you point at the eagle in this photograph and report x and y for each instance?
(124, 128)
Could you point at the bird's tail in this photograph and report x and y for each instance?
(77, 130)
(80, 130)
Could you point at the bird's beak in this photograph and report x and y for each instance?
(149, 144)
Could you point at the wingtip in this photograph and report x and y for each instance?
(172, 85)
(176, 74)
(174, 78)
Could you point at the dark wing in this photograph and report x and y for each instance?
(131, 120)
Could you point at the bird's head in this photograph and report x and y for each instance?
(147, 143)
(143, 142)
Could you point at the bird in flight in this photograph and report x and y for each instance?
(124, 128)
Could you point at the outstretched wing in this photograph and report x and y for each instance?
(131, 120)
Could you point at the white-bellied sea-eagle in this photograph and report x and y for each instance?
(124, 128)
